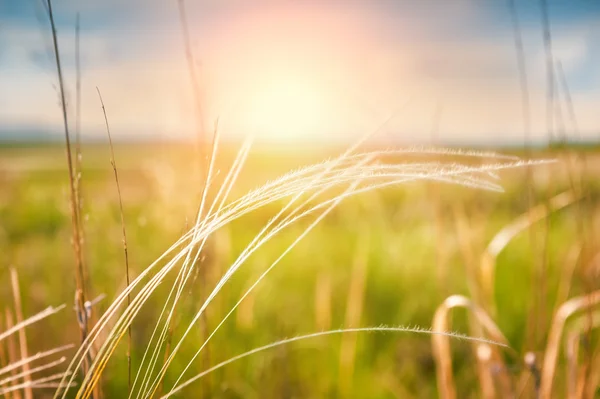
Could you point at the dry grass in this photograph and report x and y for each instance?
(581, 379)
(14, 356)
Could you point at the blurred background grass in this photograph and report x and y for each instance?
(387, 257)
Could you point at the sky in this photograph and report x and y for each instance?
(303, 71)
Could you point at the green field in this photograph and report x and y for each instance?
(387, 257)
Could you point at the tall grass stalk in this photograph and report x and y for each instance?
(202, 152)
(538, 316)
(113, 163)
(78, 154)
(80, 293)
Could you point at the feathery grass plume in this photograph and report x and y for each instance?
(30, 320)
(482, 323)
(335, 202)
(571, 307)
(33, 358)
(246, 253)
(318, 185)
(506, 234)
(415, 330)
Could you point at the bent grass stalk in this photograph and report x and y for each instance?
(286, 341)
(576, 375)
(288, 186)
(510, 231)
(441, 344)
(566, 311)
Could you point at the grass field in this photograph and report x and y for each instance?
(386, 257)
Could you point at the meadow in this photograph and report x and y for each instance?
(386, 257)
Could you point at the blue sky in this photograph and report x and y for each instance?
(290, 70)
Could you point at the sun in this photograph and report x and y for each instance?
(288, 108)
